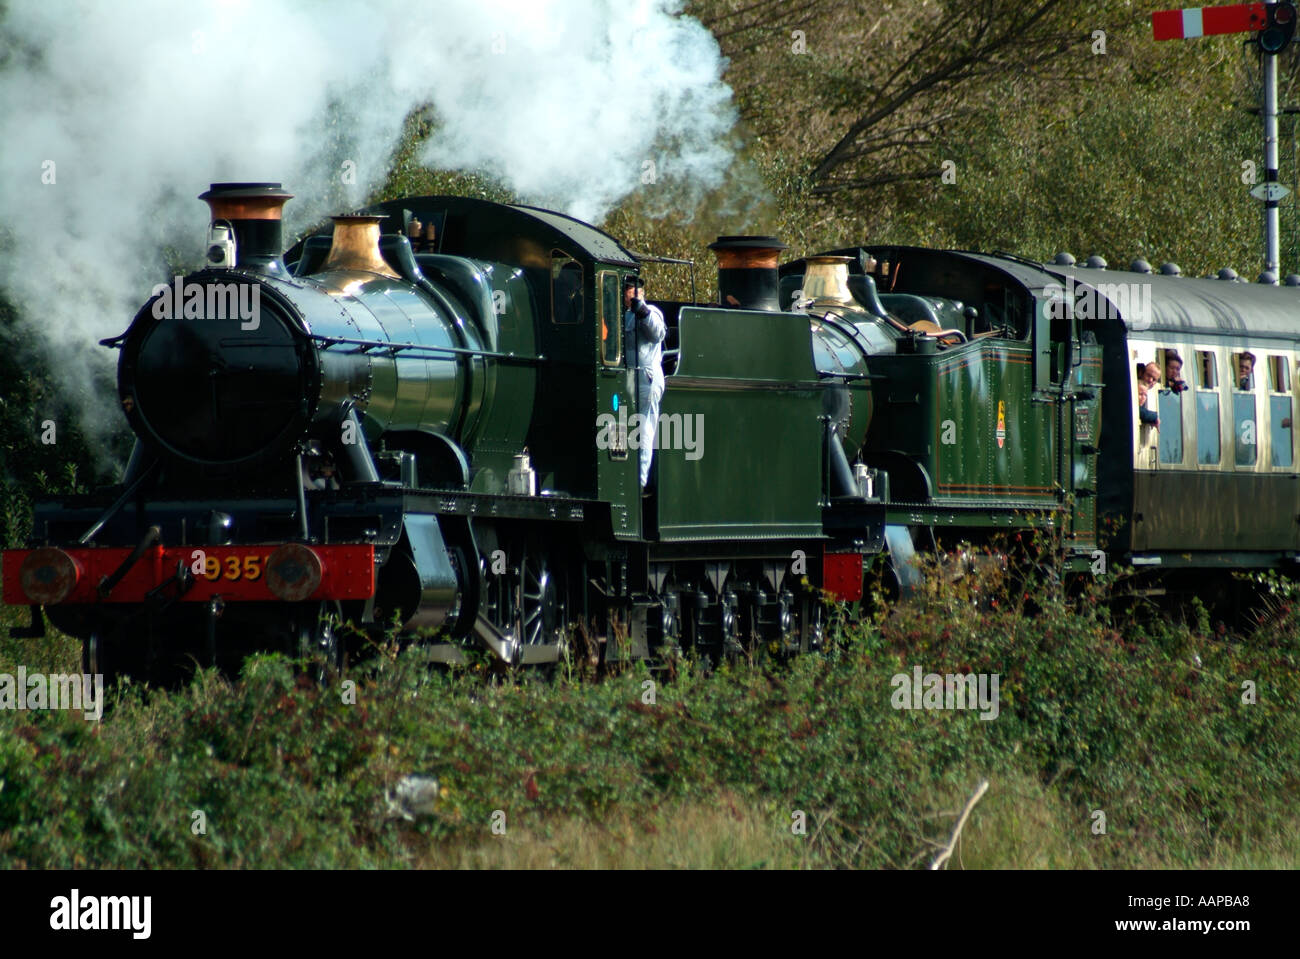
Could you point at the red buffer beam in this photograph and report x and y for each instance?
(1208, 21)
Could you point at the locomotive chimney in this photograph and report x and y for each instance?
(356, 246)
(747, 277)
(252, 211)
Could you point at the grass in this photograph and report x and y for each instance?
(1097, 717)
(727, 833)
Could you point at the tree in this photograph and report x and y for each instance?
(1064, 126)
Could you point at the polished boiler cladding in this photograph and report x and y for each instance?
(229, 369)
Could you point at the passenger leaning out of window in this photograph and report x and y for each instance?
(1174, 372)
(1147, 383)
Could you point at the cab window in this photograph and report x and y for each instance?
(566, 288)
(611, 320)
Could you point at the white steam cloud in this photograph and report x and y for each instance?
(115, 116)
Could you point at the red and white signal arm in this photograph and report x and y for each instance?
(1208, 21)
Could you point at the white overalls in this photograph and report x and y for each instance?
(647, 323)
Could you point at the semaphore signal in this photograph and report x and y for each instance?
(1208, 21)
(1280, 28)
(1275, 24)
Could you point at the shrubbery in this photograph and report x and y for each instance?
(1094, 715)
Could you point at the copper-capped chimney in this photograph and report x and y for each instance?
(747, 276)
(356, 246)
(253, 212)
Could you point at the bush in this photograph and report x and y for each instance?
(1093, 716)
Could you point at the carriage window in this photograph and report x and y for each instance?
(1243, 416)
(1243, 370)
(1172, 387)
(611, 320)
(1245, 428)
(1279, 378)
(566, 288)
(1207, 409)
(1281, 443)
(1207, 370)
(1171, 427)
(1169, 363)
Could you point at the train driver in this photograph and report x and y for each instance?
(647, 322)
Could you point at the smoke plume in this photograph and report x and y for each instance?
(114, 116)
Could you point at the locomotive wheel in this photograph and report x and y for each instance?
(94, 656)
(670, 621)
(320, 644)
(733, 621)
(527, 602)
(712, 623)
(542, 610)
(771, 617)
(498, 595)
(785, 620)
(811, 631)
(103, 653)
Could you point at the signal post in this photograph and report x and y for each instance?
(1275, 25)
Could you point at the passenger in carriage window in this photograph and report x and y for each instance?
(1246, 371)
(1174, 372)
(1146, 384)
(1146, 415)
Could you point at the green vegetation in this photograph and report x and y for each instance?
(1094, 716)
(31, 468)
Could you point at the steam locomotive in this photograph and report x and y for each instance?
(427, 415)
